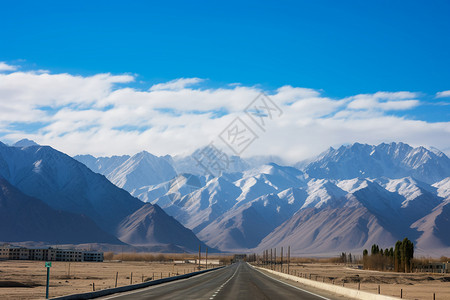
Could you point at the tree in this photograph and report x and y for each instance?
(400, 257)
(403, 255)
(343, 258)
(375, 250)
(365, 259)
(407, 251)
(397, 256)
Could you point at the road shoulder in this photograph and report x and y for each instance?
(307, 288)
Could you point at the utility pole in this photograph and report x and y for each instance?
(289, 257)
(271, 259)
(275, 257)
(206, 263)
(281, 259)
(199, 255)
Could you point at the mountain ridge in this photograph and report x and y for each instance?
(387, 190)
(345, 199)
(64, 184)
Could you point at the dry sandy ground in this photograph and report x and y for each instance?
(28, 278)
(415, 285)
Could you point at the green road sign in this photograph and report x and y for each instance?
(48, 264)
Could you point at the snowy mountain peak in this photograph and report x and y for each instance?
(142, 169)
(65, 184)
(144, 155)
(353, 185)
(374, 193)
(322, 192)
(25, 143)
(437, 152)
(394, 160)
(443, 188)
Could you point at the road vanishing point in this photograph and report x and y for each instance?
(237, 281)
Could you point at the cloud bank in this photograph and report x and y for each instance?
(104, 115)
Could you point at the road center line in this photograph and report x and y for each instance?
(122, 294)
(223, 284)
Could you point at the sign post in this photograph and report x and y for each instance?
(48, 265)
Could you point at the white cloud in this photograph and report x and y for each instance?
(399, 105)
(177, 84)
(288, 94)
(385, 101)
(372, 103)
(6, 67)
(43, 89)
(94, 115)
(395, 95)
(443, 94)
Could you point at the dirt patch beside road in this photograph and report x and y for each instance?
(414, 285)
(27, 279)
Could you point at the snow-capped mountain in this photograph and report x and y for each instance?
(71, 191)
(201, 207)
(102, 165)
(23, 218)
(25, 143)
(65, 184)
(419, 198)
(150, 226)
(443, 187)
(246, 225)
(344, 200)
(131, 173)
(209, 161)
(395, 160)
(170, 191)
(134, 172)
(144, 170)
(366, 215)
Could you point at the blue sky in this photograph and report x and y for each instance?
(342, 47)
(337, 48)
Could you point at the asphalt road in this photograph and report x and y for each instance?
(238, 281)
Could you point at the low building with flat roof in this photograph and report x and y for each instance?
(14, 252)
(434, 267)
(10, 252)
(93, 256)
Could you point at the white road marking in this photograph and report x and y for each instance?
(295, 287)
(225, 282)
(117, 295)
